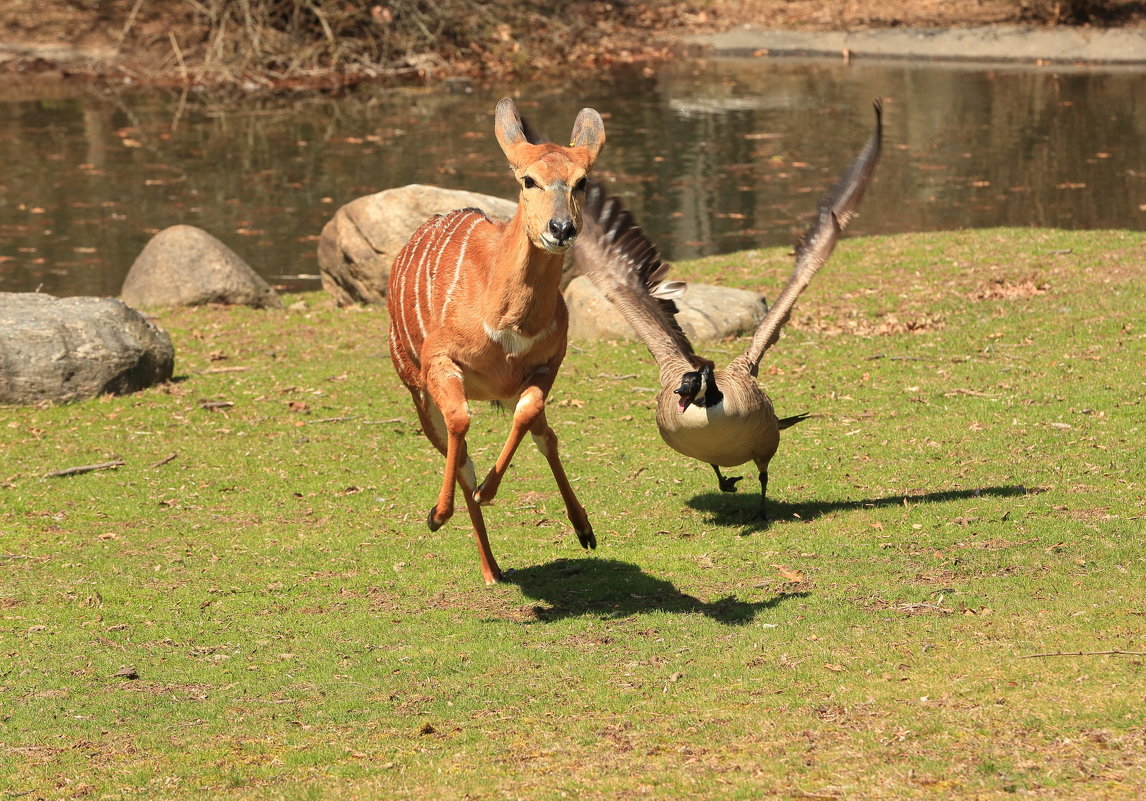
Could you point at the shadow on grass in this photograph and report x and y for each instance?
(741, 509)
(613, 589)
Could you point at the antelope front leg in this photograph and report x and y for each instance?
(529, 406)
(447, 393)
(446, 423)
(546, 441)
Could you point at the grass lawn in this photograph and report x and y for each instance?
(950, 602)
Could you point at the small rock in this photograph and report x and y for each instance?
(58, 350)
(186, 266)
(706, 312)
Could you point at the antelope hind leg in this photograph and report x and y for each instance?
(467, 480)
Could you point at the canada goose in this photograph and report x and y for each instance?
(717, 416)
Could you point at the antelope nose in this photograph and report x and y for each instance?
(562, 230)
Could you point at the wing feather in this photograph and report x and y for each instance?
(614, 253)
(836, 210)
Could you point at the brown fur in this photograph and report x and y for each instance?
(477, 314)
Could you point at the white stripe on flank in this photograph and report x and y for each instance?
(441, 247)
(425, 247)
(398, 353)
(458, 266)
(398, 304)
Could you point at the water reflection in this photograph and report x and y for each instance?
(713, 156)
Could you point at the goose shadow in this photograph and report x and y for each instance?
(610, 588)
(742, 509)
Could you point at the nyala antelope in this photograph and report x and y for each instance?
(477, 315)
(716, 416)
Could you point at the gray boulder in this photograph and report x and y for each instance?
(186, 266)
(57, 350)
(359, 243)
(706, 312)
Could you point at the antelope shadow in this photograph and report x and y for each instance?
(609, 588)
(741, 509)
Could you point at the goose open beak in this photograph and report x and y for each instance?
(685, 400)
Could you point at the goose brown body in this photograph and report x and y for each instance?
(720, 417)
(741, 427)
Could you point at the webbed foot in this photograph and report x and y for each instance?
(727, 483)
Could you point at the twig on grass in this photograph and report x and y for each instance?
(87, 468)
(974, 393)
(1085, 653)
(162, 461)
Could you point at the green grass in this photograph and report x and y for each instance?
(969, 493)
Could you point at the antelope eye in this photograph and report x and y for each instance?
(580, 186)
(528, 182)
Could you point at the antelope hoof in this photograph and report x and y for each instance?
(485, 493)
(588, 540)
(728, 483)
(436, 521)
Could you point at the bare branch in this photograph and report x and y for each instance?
(88, 468)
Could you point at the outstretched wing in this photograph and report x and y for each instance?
(614, 253)
(836, 210)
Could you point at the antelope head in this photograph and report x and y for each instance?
(552, 178)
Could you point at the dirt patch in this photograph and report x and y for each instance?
(1004, 289)
(290, 44)
(852, 322)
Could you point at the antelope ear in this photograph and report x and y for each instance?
(588, 132)
(507, 126)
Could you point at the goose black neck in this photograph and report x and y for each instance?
(712, 394)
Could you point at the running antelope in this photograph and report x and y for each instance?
(477, 315)
(717, 416)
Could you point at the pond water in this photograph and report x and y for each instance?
(712, 156)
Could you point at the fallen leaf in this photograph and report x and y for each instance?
(788, 574)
